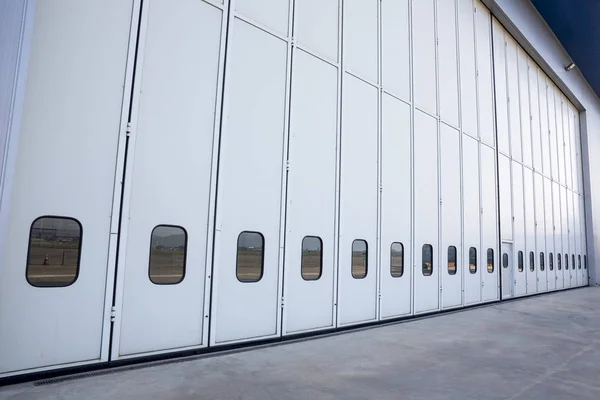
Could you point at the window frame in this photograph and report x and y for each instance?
(531, 261)
(505, 257)
(423, 269)
(185, 243)
(366, 259)
(455, 260)
(520, 261)
(80, 250)
(488, 261)
(559, 260)
(473, 271)
(402, 266)
(542, 261)
(578, 261)
(302, 257)
(551, 262)
(262, 258)
(566, 261)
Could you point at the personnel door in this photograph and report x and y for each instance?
(507, 270)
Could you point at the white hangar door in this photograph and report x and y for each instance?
(247, 265)
(168, 184)
(471, 214)
(54, 266)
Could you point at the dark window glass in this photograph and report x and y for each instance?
(311, 265)
(167, 255)
(427, 256)
(397, 259)
(504, 260)
(452, 260)
(542, 266)
(520, 261)
(473, 260)
(490, 260)
(360, 255)
(579, 261)
(559, 261)
(551, 262)
(250, 260)
(566, 261)
(54, 252)
(573, 261)
(531, 261)
(584, 261)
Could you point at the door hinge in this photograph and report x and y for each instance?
(287, 165)
(113, 313)
(282, 302)
(128, 129)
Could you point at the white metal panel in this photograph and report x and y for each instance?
(471, 221)
(506, 225)
(357, 298)
(519, 230)
(65, 166)
(485, 94)
(501, 88)
(179, 86)
(514, 112)
(489, 225)
(530, 231)
(553, 123)
(424, 55)
(250, 163)
(360, 38)
(522, 61)
(450, 216)
(447, 62)
(508, 282)
(579, 162)
(540, 233)
(571, 232)
(395, 205)
(550, 248)
(316, 26)
(271, 13)
(558, 237)
(395, 47)
(311, 180)
(544, 128)
(567, 143)
(560, 138)
(426, 209)
(467, 67)
(584, 266)
(564, 204)
(575, 237)
(534, 102)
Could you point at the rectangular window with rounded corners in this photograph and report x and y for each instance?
(566, 261)
(451, 260)
(504, 260)
(54, 251)
(551, 262)
(579, 261)
(559, 261)
(531, 261)
(542, 265)
(168, 248)
(520, 261)
(584, 261)
(490, 260)
(360, 259)
(573, 261)
(397, 259)
(311, 265)
(427, 259)
(250, 260)
(473, 260)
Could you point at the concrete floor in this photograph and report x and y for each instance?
(546, 347)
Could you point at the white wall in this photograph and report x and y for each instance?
(534, 34)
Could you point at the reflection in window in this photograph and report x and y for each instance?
(473, 260)
(573, 261)
(311, 265)
(250, 257)
(566, 261)
(520, 261)
(360, 254)
(542, 266)
(579, 261)
(504, 260)
(531, 261)
(559, 261)
(490, 260)
(167, 255)
(427, 257)
(551, 262)
(452, 260)
(54, 252)
(397, 260)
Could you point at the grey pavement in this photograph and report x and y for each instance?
(546, 347)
